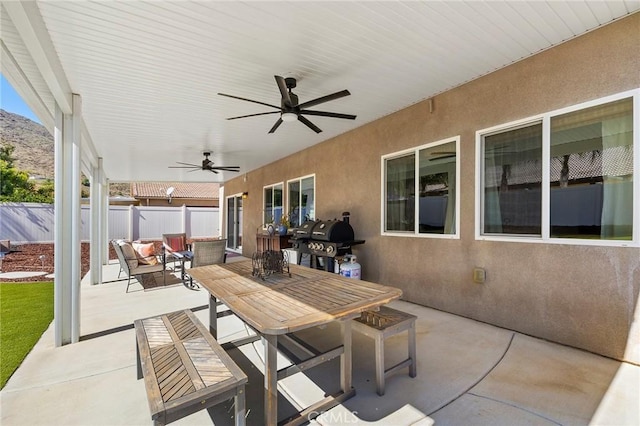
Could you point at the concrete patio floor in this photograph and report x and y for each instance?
(469, 373)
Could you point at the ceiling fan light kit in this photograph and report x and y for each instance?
(288, 117)
(291, 110)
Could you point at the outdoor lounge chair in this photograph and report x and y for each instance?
(130, 265)
(5, 246)
(208, 253)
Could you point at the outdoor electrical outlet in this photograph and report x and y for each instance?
(479, 275)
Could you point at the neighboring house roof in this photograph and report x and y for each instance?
(208, 191)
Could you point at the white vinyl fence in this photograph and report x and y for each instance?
(33, 222)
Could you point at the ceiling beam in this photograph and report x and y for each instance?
(20, 82)
(28, 21)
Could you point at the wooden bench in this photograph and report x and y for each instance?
(380, 325)
(185, 369)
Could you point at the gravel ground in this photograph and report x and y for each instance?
(39, 257)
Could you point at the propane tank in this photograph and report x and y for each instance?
(350, 268)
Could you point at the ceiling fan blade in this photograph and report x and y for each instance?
(184, 167)
(286, 99)
(328, 114)
(224, 169)
(253, 115)
(275, 126)
(309, 124)
(324, 99)
(187, 164)
(442, 157)
(249, 100)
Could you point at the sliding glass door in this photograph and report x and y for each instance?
(234, 223)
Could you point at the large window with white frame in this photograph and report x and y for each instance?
(301, 195)
(273, 203)
(566, 176)
(420, 190)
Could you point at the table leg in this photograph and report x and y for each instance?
(213, 316)
(345, 357)
(270, 343)
(182, 274)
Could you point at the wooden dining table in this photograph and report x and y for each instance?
(282, 303)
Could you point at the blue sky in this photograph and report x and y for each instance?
(12, 102)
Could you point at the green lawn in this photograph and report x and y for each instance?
(26, 310)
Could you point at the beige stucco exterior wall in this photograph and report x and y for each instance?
(582, 296)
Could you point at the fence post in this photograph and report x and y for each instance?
(130, 223)
(184, 220)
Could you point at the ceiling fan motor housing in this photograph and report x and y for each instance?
(290, 82)
(294, 104)
(206, 160)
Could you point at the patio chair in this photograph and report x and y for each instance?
(207, 253)
(176, 248)
(130, 265)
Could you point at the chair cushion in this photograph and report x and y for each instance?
(146, 253)
(147, 269)
(176, 243)
(129, 254)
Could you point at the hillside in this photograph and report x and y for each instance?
(32, 141)
(34, 151)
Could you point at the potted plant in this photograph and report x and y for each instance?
(284, 225)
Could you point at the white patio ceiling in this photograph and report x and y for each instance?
(149, 72)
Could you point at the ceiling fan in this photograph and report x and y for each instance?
(291, 110)
(206, 165)
(440, 155)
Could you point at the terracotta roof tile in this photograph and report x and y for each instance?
(182, 190)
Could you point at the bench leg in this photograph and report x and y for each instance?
(240, 406)
(379, 344)
(412, 350)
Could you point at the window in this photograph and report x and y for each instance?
(301, 196)
(430, 171)
(566, 176)
(513, 181)
(591, 176)
(273, 203)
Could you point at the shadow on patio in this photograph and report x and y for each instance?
(468, 372)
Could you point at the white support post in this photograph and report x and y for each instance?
(62, 208)
(105, 220)
(76, 221)
(222, 232)
(96, 209)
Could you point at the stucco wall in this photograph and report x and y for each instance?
(583, 296)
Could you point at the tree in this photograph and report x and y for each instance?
(15, 185)
(6, 152)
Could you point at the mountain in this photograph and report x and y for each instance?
(34, 150)
(32, 141)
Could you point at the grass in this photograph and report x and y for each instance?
(26, 310)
